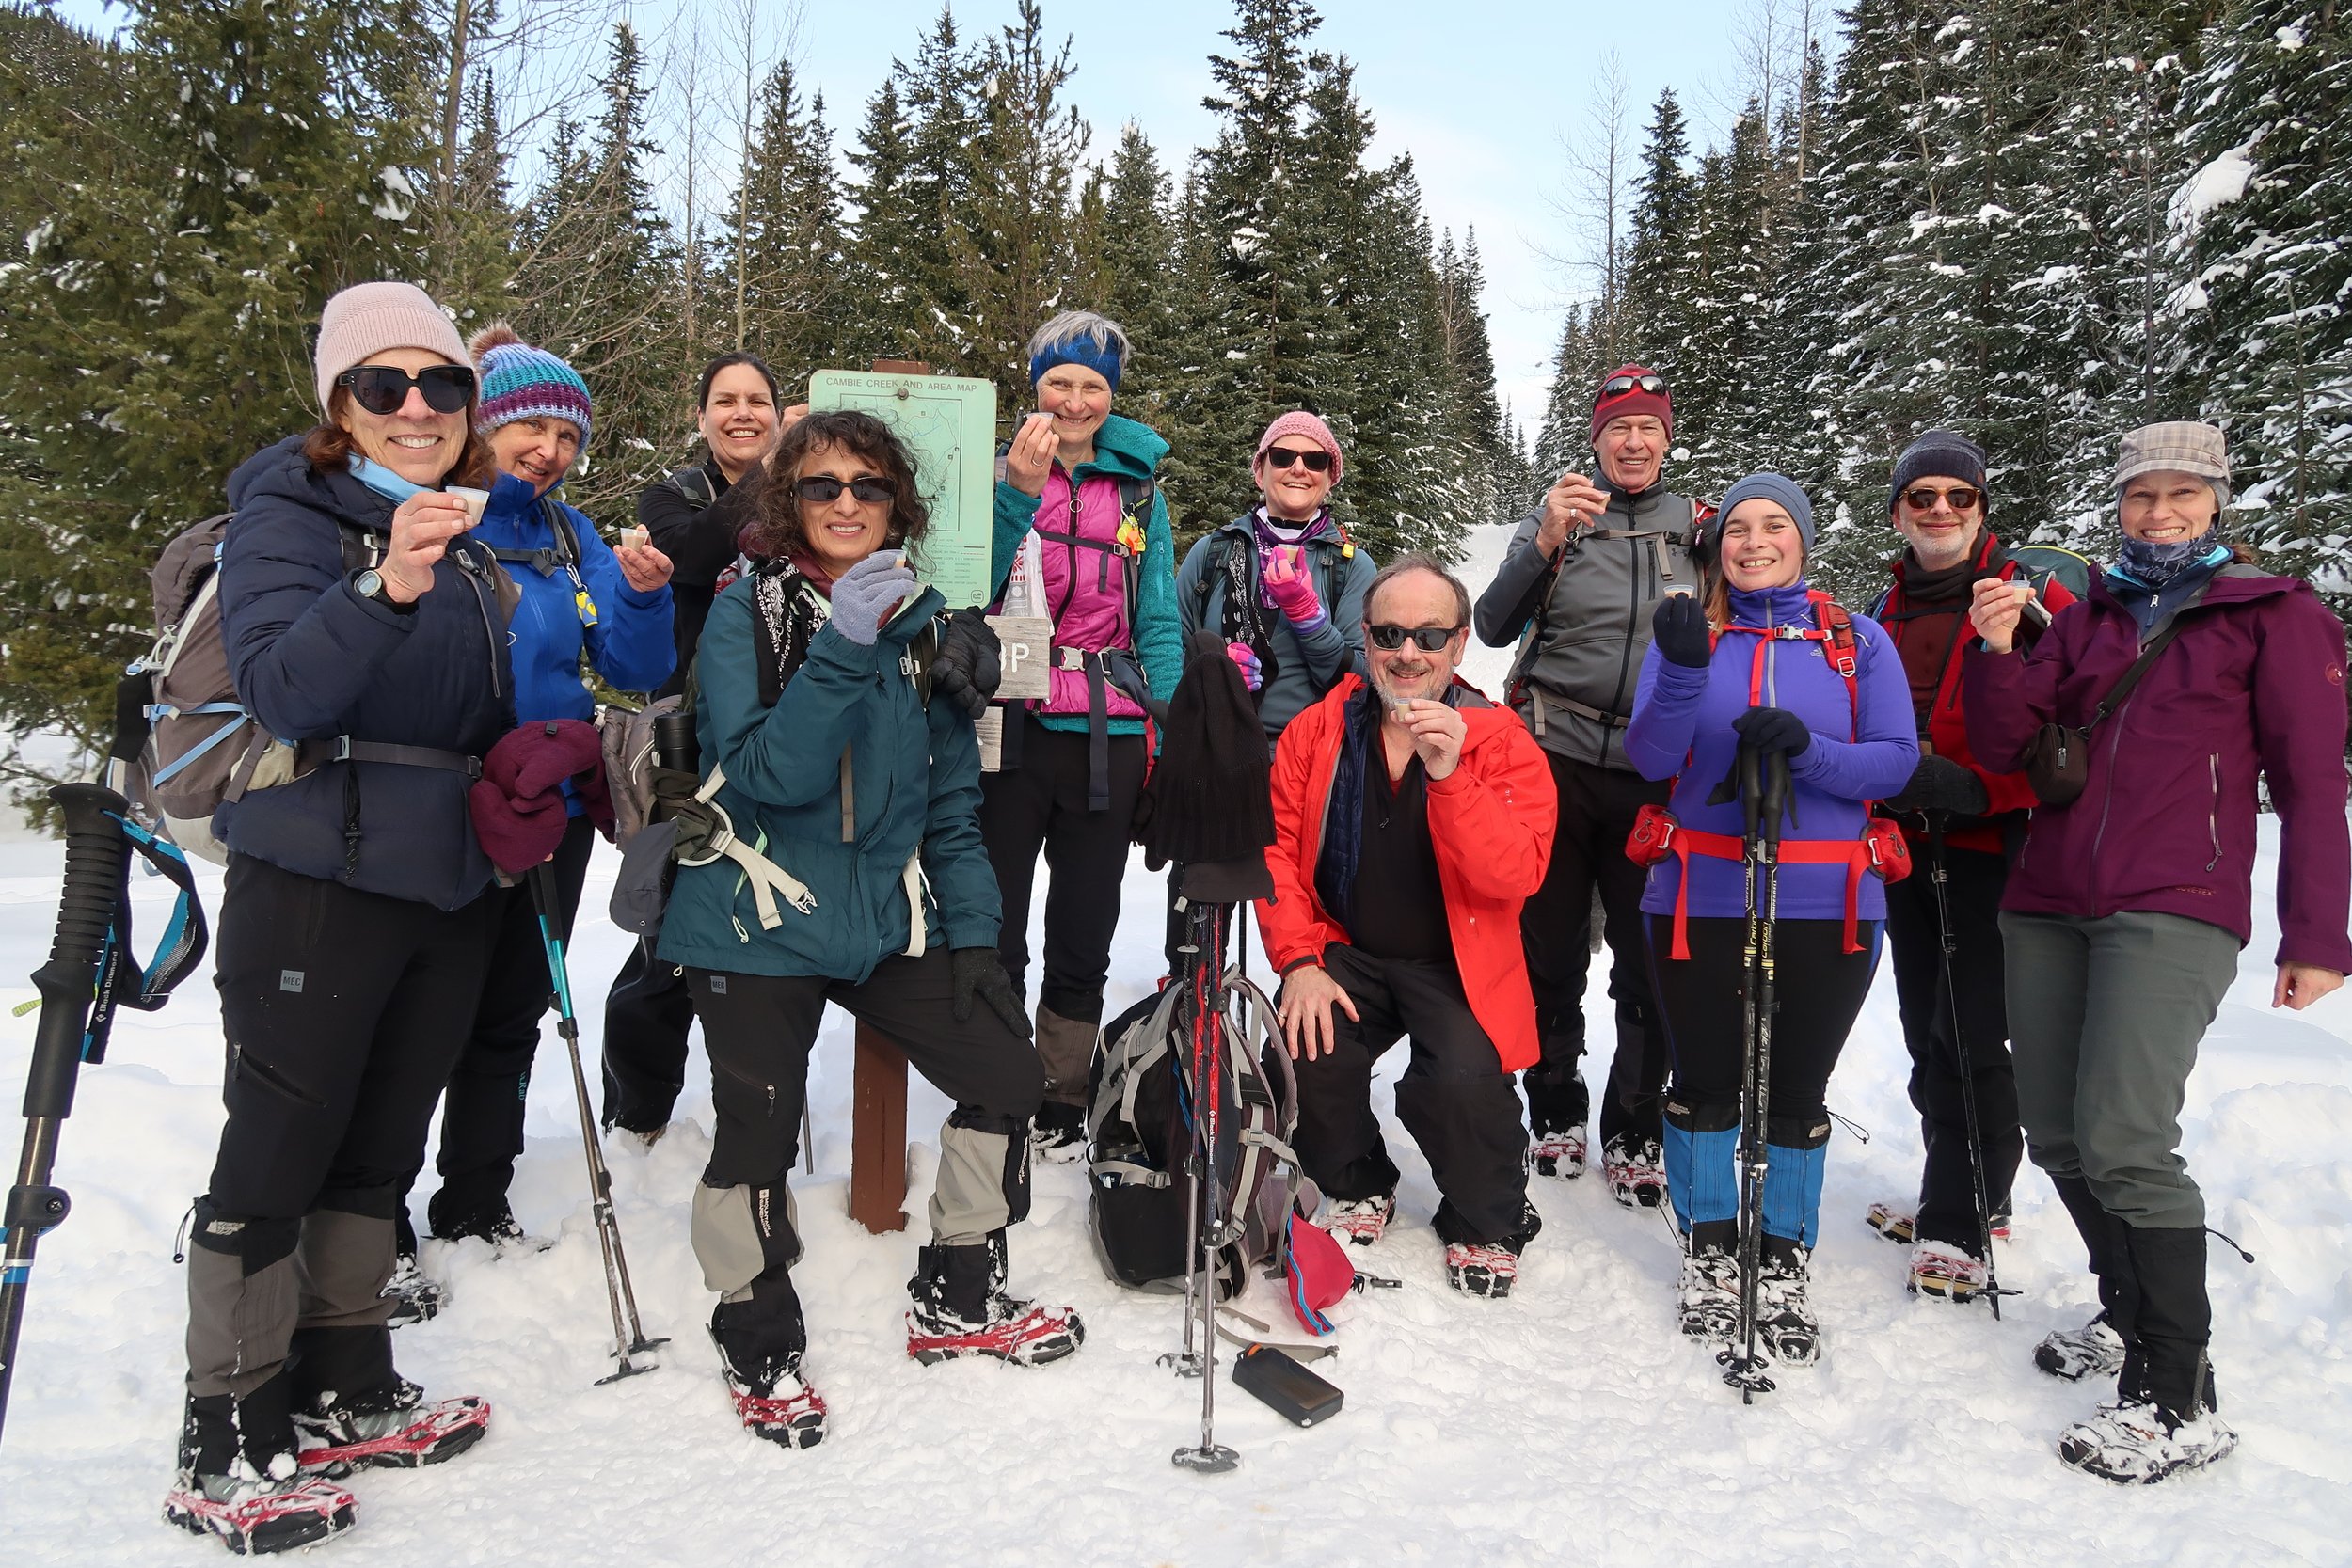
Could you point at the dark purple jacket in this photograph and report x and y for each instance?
(2253, 684)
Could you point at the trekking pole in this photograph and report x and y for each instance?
(1967, 1067)
(1186, 1362)
(628, 1337)
(1763, 785)
(75, 1011)
(1208, 1085)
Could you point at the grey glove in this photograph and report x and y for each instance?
(979, 975)
(968, 664)
(1939, 784)
(867, 591)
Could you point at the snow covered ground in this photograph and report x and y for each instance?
(1568, 1424)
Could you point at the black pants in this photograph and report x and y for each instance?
(1817, 991)
(1454, 1099)
(1947, 1193)
(343, 1012)
(758, 1030)
(1596, 809)
(646, 1019)
(1043, 805)
(482, 1111)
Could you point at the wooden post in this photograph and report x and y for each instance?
(878, 1096)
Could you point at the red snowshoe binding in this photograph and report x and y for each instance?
(961, 1309)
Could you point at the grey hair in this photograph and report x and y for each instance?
(1106, 336)
(1418, 561)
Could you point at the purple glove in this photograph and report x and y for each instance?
(1290, 588)
(1252, 672)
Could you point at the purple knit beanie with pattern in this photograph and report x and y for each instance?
(520, 382)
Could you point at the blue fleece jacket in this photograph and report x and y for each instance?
(1681, 712)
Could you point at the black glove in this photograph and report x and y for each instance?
(1939, 784)
(1679, 629)
(1774, 729)
(967, 666)
(979, 972)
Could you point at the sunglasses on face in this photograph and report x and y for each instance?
(820, 489)
(1963, 498)
(1429, 639)
(1315, 462)
(382, 388)
(1617, 385)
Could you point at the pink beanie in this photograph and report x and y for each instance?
(368, 318)
(1299, 422)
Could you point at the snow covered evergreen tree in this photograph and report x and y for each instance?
(789, 239)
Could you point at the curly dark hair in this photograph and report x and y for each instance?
(775, 529)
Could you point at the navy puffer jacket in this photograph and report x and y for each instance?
(313, 661)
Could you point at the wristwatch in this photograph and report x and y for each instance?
(369, 585)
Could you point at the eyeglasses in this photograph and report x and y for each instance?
(1315, 462)
(819, 489)
(1963, 498)
(1427, 639)
(1617, 385)
(383, 389)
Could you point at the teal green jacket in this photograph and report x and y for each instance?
(915, 780)
(1084, 613)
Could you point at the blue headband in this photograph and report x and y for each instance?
(1082, 350)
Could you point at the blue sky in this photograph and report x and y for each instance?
(1486, 98)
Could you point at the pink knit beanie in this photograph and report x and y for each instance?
(1299, 422)
(368, 318)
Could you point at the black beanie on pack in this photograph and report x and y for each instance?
(1210, 797)
(1937, 454)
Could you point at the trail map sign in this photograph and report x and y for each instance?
(949, 424)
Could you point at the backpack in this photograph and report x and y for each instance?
(2039, 564)
(1138, 1132)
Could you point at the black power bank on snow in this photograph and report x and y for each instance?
(1289, 1389)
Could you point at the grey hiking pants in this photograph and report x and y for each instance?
(2106, 1016)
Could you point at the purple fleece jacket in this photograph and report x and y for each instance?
(2253, 684)
(1682, 712)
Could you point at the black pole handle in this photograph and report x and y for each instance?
(1775, 796)
(1751, 791)
(97, 861)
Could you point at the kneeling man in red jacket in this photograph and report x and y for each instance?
(1412, 818)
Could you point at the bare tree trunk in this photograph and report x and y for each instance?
(453, 90)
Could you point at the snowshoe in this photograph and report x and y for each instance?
(1895, 1225)
(961, 1309)
(260, 1514)
(1486, 1270)
(782, 1409)
(1708, 1297)
(1636, 1168)
(2136, 1443)
(1359, 1221)
(2076, 1354)
(1060, 1134)
(1784, 1323)
(416, 1297)
(1558, 1154)
(506, 1238)
(1955, 1273)
(392, 1427)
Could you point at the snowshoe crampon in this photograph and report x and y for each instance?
(1784, 1323)
(402, 1436)
(1891, 1222)
(1359, 1221)
(2076, 1354)
(1636, 1168)
(1020, 1332)
(1481, 1270)
(1560, 1154)
(789, 1414)
(1952, 1273)
(415, 1296)
(2132, 1443)
(262, 1515)
(1709, 1298)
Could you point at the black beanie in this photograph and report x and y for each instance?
(1210, 797)
(1939, 455)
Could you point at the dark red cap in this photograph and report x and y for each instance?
(1634, 400)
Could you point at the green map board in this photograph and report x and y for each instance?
(949, 424)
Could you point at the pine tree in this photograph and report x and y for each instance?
(1135, 249)
(1659, 306)
(789, 237)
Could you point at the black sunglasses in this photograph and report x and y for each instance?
(382, 388)
(1963, 498)
(1427, 639)
(819, 489)
(1316, 462)
(1617, 385)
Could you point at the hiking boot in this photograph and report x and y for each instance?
(1558, 1155)
(416, 1297)
(1059, 1134)
(245, 1486)
(1359, 1221)
(961, 1309)
(391, 1425)
(1955, 1273)
(1636, 1168)
(2076, 1354)
(496, 1226)
(1784, 1323)
(775, 1403)
(1709, 1296)
(2136, 1442)
(1482, 1268)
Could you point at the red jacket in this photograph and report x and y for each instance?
(1491, 821)
(1946, 729)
